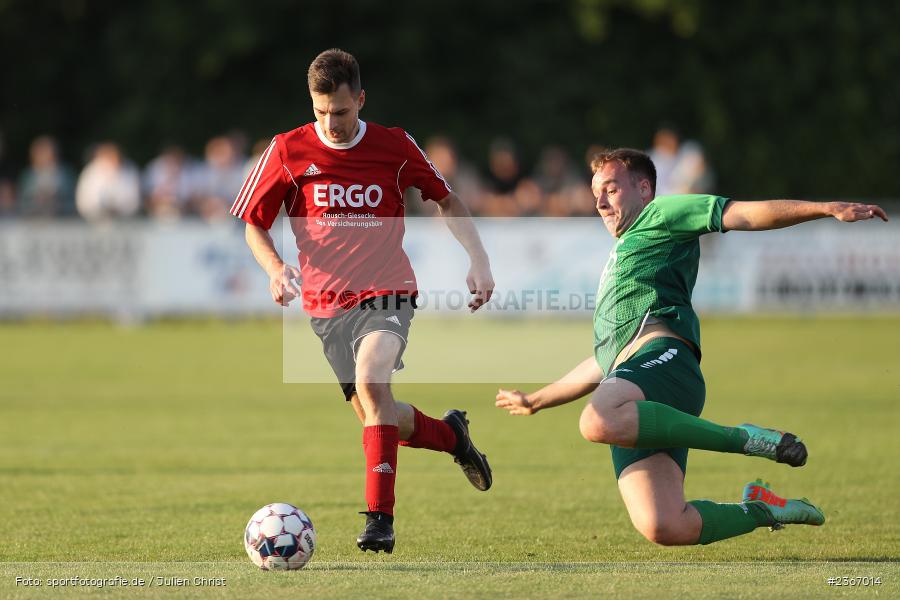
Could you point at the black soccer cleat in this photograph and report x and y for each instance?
(780, 446)
(473, 463)
(791, 451)
(378, 534)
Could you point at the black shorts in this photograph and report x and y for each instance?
(342, 334)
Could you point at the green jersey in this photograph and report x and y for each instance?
(651, 273)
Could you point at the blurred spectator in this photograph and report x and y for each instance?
(255, 154)
(218, 179)
(167, 183)
(460, 176)
(681, 167)
(174, 184)
(504, 178)
(592, 151)
(7, 188)
(109, 187)
(240, 142)
(46, 186)
(528, 200)
(564, 192)
(504, 169)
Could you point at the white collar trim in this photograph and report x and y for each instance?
(345, 145)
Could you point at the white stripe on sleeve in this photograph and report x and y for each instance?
(430, 164)
(243, 199)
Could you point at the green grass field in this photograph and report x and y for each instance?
(142, 452)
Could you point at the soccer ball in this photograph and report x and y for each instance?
(279, 537)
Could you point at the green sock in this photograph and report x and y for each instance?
(723, 521)
(661, 426)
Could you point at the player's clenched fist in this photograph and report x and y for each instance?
(481, 285)
(283, 284)
(855, 211)
(514, 401)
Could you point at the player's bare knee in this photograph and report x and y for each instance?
(373, 393)
(662, 531)
(651, 529)
(595, 427)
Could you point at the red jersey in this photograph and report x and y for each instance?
(346, 207)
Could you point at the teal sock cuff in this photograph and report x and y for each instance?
(707, 509)
(723, 521)
(738, 439)
(647, 425)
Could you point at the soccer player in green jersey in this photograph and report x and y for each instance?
(646, 387)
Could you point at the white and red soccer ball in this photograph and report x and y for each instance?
(279, 537)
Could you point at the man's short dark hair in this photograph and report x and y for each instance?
(331, 69)
(636, 162)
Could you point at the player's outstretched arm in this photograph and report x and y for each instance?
(775, 214)
(459, 221)
(577, 383)
(281, 276)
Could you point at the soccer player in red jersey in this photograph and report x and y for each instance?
(341, 181)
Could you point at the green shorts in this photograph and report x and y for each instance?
(668, 372)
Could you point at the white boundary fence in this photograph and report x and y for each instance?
(138, 270)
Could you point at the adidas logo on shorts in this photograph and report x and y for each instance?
(393, 319)
(383, 468)
(664, 357)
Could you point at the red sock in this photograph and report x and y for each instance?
(432, 434)
(380, 447)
